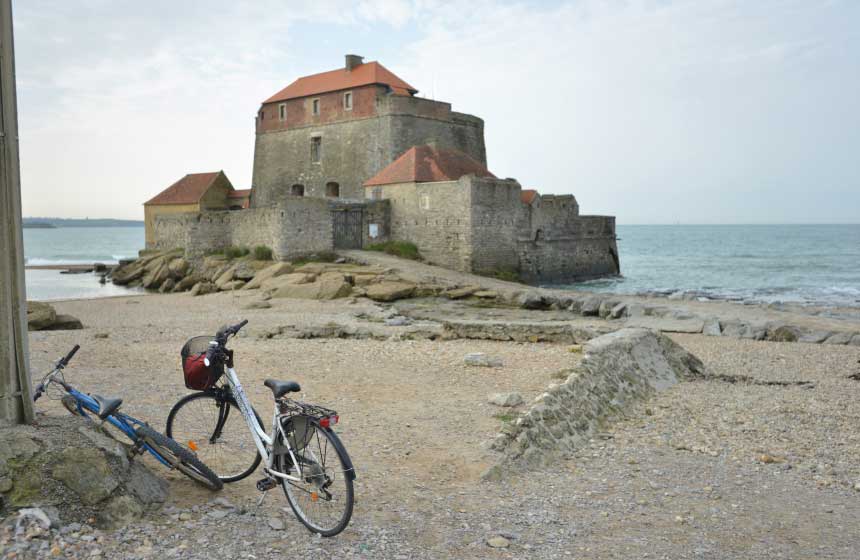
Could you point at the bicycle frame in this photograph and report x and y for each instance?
(263, 441)
(122, 422)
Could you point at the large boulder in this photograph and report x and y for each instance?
(157, 275)
(178, 268)
(273, 284)
(43, 317)
(390, 291)
(225, 276)
(40, 315)
(203, 288)
(65, 323)
(247, 269)
(187, 283)
(330, 285)
(273, 271)
(126, 274)
(73, 469)
(231, 285)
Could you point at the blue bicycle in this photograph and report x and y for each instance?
(143, 438)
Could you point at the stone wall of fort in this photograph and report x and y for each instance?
(296, 227)
(588, 251)
(354, 147)
(435, 217)
(481, 225)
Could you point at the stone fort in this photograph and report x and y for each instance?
(352, 157)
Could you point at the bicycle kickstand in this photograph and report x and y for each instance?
(264, 485)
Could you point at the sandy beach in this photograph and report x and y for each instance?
(748, 464)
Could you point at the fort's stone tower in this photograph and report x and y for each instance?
(325, 134)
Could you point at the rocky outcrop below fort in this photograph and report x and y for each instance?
(382, 278)
(321, 277)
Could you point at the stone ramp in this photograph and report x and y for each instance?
(618, 369)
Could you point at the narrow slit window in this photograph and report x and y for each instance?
(347, 101)
(315, 106)
(316, 149)
(282, 111)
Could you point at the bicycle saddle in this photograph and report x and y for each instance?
(107, 406)
(281, 388)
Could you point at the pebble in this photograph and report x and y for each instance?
(498, 542)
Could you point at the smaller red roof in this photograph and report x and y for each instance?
(528, 196)
(428, 164)
(239, 193)
(334, 80)
(187, 190)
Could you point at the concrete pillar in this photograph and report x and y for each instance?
(16, 401)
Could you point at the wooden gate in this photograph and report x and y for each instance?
(348, 227)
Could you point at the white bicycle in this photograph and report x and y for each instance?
(301, 453)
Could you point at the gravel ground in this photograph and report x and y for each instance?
(727, 467)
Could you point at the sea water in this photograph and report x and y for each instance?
(806, 264)
(809, 264)
(77, 245)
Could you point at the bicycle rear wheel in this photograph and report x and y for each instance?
(179, 457)
(323, 500)
(211, 425)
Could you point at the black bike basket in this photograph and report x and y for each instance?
(198, 375)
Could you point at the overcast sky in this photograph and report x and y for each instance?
(656, 111)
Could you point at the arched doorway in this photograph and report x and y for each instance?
(297, 190)
(332, 190)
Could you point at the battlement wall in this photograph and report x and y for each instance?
(297, 226)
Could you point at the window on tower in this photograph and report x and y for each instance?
(316, 149)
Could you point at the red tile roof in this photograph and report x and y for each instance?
(428, 164)
(243, 194)
(528, 196)
(187, 190)
(361, 75)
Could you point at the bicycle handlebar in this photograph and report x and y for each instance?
(226, 332)
(221, 339)
(70, 355)
(61, 363)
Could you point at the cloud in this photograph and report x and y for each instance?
(654, 110)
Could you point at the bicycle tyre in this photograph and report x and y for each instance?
(235, 413)
(179, 457)
(294, 492)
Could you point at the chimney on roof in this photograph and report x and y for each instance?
(353, 60)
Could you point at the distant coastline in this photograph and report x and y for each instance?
(47, 223)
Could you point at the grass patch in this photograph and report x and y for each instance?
(506, 417)
(402, 249)
(262, 253)
(506, 274)
(232, 252)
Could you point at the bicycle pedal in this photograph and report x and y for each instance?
(266, 484)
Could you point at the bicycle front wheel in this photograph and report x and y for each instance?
(211, 425)
(179, 457)
(323, 498)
